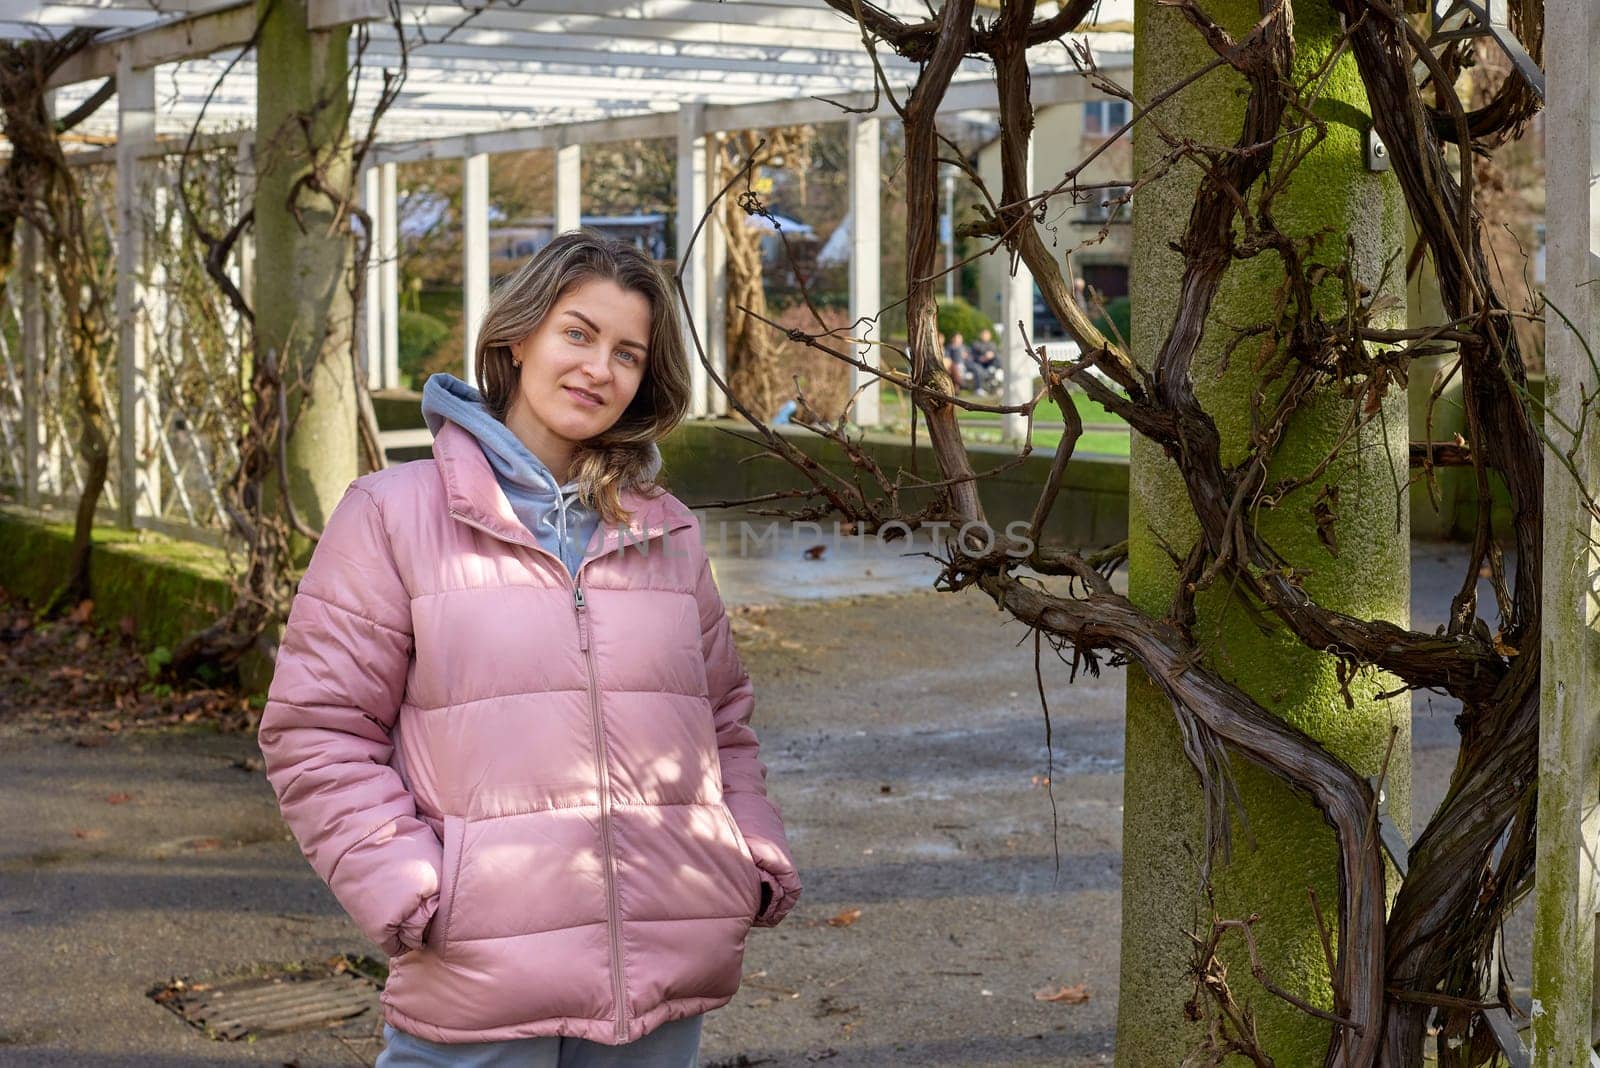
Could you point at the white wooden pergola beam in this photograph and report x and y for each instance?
(371, 299)
(576, 55)
(138, 467)
(1016, 331)
(475, 255)
(1565, 881)
(713, 27)
(568, 188)
(866, 258)
(193, 36)
(598, 131)
(389, 270)
(148, 8)
(690, 207)
(974, 96)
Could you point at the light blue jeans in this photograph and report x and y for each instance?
(672, 1045)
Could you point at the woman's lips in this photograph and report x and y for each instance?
(584, 397)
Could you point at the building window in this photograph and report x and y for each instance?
(1109, 280)
(1102, 118)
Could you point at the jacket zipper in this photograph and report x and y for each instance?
(613, 912)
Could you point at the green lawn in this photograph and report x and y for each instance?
(1090, 411)
(1103, 442)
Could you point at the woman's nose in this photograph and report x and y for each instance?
(598, 370)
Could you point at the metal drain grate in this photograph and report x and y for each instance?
(232, 1011)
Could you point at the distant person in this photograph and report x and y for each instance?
(956, 356)
(983, 363)
(514, 738)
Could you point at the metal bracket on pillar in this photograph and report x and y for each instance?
(1460, 20)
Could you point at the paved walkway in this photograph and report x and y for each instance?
(906, 749)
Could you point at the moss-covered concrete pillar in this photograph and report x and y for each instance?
(1288, 847)
(304, 314)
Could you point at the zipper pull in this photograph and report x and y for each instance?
(579, 604)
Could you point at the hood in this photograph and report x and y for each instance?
(550, 510)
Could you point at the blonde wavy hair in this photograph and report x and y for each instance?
(606, 464)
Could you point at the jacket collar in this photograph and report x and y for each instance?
(475, 497)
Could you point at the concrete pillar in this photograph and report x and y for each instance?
(138, 424)
(389, 271)
(475, 254)
(1017, 368)
(866, 257)
(1162, 804)
(569, 188)
(1565, 896)
(372, 288)
(304, 315)
(690, 208)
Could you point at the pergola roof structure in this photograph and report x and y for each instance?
(479, 66)
(484, 77)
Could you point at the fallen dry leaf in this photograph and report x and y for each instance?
(845, 918)
(118, 799)
(206, 845)
(88, 833)
(1067, 995)
(80, 615)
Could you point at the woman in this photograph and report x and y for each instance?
(508, 725)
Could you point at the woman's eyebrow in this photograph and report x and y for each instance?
(590, 323)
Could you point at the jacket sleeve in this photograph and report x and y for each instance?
(325, 731)
(743, 774)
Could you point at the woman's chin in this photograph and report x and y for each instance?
(578, 431)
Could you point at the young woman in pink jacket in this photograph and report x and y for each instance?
(508, 725)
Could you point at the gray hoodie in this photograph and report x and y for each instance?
(552, 513)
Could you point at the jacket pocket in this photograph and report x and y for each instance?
(752, 874)
(449, 872)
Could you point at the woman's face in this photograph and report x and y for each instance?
(580, 368)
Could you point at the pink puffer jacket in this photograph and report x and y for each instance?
(541, 796)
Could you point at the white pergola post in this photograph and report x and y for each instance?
(866, 258)
(1017, 305)
(138, 462)
(1565, 898)
(690, 206)
(569, 188)
(389, 271)
(715, 237)
(243, 270)
(32, 370)
(372, 287)
(475, 255)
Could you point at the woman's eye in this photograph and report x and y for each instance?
(575, 334)
(629, 356)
